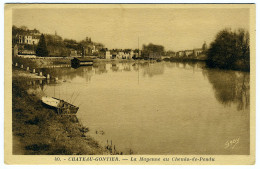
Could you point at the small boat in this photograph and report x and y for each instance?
(61, 106)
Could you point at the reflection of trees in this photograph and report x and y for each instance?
(153, 69)
(230, 87)
(85, 72)
(69, 73)
(170, 64)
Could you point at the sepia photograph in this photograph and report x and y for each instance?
(130, 82)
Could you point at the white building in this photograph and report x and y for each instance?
(107, 55)
(28, 39)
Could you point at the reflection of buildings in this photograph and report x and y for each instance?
(127, 67)
(100, 68)
(114, 67)
(231, 87)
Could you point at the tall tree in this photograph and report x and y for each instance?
(156, 50)
(42, 48)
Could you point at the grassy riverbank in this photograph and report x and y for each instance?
(39, 130)
(40, 61)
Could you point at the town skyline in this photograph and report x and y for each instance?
(175, 29)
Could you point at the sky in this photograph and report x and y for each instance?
(174, 28)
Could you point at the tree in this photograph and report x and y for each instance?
(154, 50)
(230, 50)
(42, 48)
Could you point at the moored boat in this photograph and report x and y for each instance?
(61, 106)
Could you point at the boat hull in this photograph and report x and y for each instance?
(61, 106)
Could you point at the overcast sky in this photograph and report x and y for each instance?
(176, 29)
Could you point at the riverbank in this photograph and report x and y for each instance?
(239, 66)
(40, 61)
(26, 74)
(50, 62)
(41, 131)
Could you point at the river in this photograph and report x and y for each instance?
(160, 108)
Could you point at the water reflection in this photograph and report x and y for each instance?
(100, 68)
(231, 87)
(153, 69)
(114, 67)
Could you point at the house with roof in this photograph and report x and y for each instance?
(26, 38)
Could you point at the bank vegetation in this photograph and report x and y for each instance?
(230, 50)
(41, 131)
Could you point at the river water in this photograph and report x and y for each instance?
(160, 108)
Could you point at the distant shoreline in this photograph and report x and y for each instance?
(45, 62)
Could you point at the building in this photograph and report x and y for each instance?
(26, 38)
(197, 52)
(124, 54)
(180, 54)
(94, 50)
(131, 54)
(188, 53)
(120, 55)
(35, 39)
(26, 42)
(74, 53)
(108, 55)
